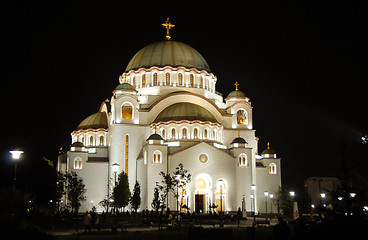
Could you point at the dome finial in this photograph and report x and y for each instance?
(236, 85)
(168, 26)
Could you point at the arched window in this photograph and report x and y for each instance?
(243, 160)
(205, 134)
(167, 79)
(180, 79)
(101, 140)
(143, 80)
(201, 82)
(173, 133)
(126, 153)
(184, 133)
(272, 168)
(163, 133)
(241, 117)
(157, 157)
(127, 111)
(91, 140)
(133, 82)
(195, 133)
(191, 80)
(155, 79)
(77, 163)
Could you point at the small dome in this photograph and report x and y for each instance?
(95, 121)
(168, 53)
(155, 136)
(185, 111)
(77, 144)
(268, 150)
(239, 140)
(236, 94)
(125, 87)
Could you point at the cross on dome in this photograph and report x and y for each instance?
(236, 85)
(168, 26)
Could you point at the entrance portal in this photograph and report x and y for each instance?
(199, 203)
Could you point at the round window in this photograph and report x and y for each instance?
(203, 158)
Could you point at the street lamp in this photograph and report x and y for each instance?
(15, 155)
(253, 187)
(115, 168)
(266, 195)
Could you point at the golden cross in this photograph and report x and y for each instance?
(236, 86)
(168, 26)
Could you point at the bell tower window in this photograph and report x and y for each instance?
(127, 111)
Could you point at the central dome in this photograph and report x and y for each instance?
(185, 111)
(168, 53)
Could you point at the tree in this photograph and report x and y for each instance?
(121, 192)
(156, 202)
(182, 178)
(136, 197)
(75, 190)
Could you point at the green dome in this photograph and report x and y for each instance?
(95, 121)
(236, 94)
(168, 53)
(185, 111)
(125, 86)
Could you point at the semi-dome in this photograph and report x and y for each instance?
(239, 140)
(236, 94)
(185, 111)
(168, 53)
(95, 121)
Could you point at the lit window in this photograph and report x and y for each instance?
(167, 79)
(157, 158)
(195, 133)
(101, 140)
(163, 133)
(180, 79)
(126, 153)
(243, 161)
(184, 133)
(127, 111)
(77, 163)
(205, 134)
(91, 141)
(173, 133)
(191, 80)
(143, 80)
(155, 79)
(272, 168)
(241, 117)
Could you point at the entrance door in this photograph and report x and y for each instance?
(199, 203)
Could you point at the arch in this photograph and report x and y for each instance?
(191, 84)
(77, 163)
(184, 133)
(143, 80)
(202, 192)
(91, 142)
(220, 195)
(242, 160)
(163, 133)
(205, 134)
(173, 133)
(272, 168)
(195, 132)
(157, 157)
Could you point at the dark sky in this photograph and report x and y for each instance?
(303, 64)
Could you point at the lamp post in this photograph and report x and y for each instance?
(253, 187)
(115, 168)
(266, 195)
(15, 155)
(271, 197)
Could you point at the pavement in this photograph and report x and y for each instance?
(243, 223)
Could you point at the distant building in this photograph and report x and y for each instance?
(325, 185)
(164, 111)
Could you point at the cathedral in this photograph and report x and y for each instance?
(164, 111)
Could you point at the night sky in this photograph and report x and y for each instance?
(303, 64)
